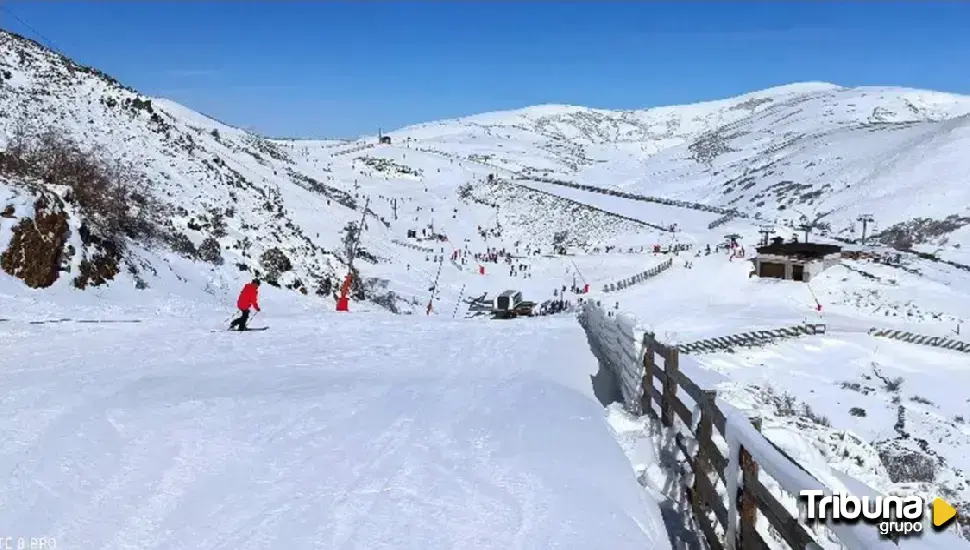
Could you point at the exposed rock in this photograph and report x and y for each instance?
(97, 269)
(906, 465)
(34, 253)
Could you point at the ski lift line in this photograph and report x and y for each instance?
(31, 28)
(812, 292)
(578, 271)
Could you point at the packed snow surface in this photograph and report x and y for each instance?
(161, 432)
(326, 431)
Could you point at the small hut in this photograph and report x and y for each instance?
(382, 139)
(795, 261)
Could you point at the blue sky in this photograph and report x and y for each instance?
(340, 69)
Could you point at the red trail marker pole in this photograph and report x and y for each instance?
(343, 303)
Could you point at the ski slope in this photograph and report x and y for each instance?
(326, 431)
(496, 399)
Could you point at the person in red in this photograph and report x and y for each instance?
(248, 298)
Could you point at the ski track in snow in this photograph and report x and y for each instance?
(331, 432)
(368, 431)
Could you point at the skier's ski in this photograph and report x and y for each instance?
(234, 330)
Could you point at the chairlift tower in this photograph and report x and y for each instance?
(866, 219)
(806, 226)
(765, 230)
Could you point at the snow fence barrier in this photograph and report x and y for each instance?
(356, 149)
(751, 339)
(633, 196)
(912, 338)
(580, 204)
(722, 220)
(413, 246)
(639, 277)
(734, 508)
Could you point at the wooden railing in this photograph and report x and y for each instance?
(652, 383)
(708, 506)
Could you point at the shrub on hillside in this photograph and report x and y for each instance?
(350, 238)
(210, 251)
(181, 244)
(112, 196)
(274, 262)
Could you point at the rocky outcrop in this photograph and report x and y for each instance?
(37, 245)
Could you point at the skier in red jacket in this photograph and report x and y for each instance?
(249, 297)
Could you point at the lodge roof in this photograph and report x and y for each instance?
(800, 250)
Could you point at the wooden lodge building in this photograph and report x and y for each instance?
(795, 261)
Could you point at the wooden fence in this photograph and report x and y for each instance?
(639, 277)
(722, 220)
(633, 196)
(355, 149)
(710, 512)
(413, 246)
(652, 383)
(751, 339)
(912, 338)
(583, 205)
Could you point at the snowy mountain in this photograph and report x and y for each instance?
(818, 150)
(115, 206)
(808, 149)
(228, 201)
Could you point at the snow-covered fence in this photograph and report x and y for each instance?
(751, 339)
(636, 197)
(614, 343)
(584, 205)
(356, 149)
(734, 508)
(413, 246)
(935, 341)
(722, 220)
(639, 277)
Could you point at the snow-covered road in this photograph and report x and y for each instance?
(326, 431)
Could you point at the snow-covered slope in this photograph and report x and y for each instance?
(385, 437)
(231, 197)
(827, 152)
(230, 204)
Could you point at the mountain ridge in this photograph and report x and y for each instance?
(767, 153)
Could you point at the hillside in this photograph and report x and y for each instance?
(827, 152)
(225, 198)
(814, 149)
(115, 206)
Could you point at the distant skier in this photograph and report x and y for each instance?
(248, 298)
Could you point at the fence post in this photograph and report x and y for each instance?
(671, 365)
(701, 460)
(646, 390)
(748, 508)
